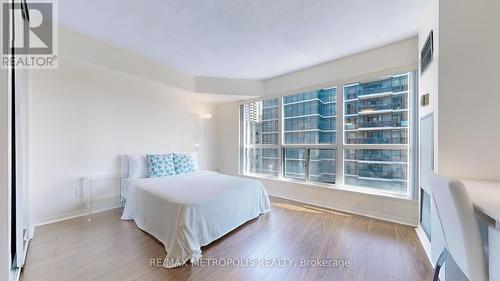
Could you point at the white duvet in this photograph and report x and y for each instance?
(188, 211)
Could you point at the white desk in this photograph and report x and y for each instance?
(485, 195)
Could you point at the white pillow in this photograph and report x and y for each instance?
(137, 166)
(194, 156)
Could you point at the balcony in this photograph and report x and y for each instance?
(375, 107)
(369, 140)
(377, 124)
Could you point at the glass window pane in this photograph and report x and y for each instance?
(425, 213)
(310, 118)
(260, 122)
(377, 112)
(385, 169)
(262, 161)
(322, 165)
(294, 163)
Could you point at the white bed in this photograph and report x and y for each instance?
(188, 211)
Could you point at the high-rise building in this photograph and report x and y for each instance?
(375, 143)
(377, 113)
(261, 127)
(310, 118)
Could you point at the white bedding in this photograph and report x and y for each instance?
(188, 211)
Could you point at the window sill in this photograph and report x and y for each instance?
(347, 188)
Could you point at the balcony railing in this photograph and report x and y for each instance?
(379, 157)
(370, 173)
(373, 107)
(394, 105)
(375, 141)
(390, 123)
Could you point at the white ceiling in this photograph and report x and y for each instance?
(251, 39)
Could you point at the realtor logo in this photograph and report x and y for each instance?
(29, 34)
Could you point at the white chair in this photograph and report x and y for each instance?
(461, 231)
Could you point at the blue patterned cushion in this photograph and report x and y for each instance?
(161, 165)
(184, 163)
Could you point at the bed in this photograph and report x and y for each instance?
(187, 211)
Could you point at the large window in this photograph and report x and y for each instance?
(295, 137)
(376, 116)
(261, 137)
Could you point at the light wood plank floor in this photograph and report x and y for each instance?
(111, 249)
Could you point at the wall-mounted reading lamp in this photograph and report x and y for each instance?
(204, 117)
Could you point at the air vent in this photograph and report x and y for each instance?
(426, 53)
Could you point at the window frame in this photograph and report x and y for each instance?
(410, 146)
(340, 146)
(307, 164)
(244, 163)
(306, 147)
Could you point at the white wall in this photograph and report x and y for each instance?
(428, 81)
(227, 120)
(462, 82)
(469, 92)
(400, 56)
(389, 58)
(4, 178)
(428, 84)
(84, 116)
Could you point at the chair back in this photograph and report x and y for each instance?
(459, 225)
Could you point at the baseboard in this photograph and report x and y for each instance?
(375, 215)
(426, 244)
(75, 214)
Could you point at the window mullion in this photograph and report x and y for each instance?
(413, 147)
(280, 138)
(307, 163)
(242, 169)
(339, 177)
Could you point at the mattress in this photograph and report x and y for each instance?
(188, 211)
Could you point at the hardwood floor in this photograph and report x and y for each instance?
(111, 249)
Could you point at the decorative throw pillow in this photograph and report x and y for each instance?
(184, 163)
(161, 165)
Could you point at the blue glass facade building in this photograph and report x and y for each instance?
(310, 117)
(297, 134)
(377, 113)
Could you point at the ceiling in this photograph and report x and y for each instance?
(248, 39)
